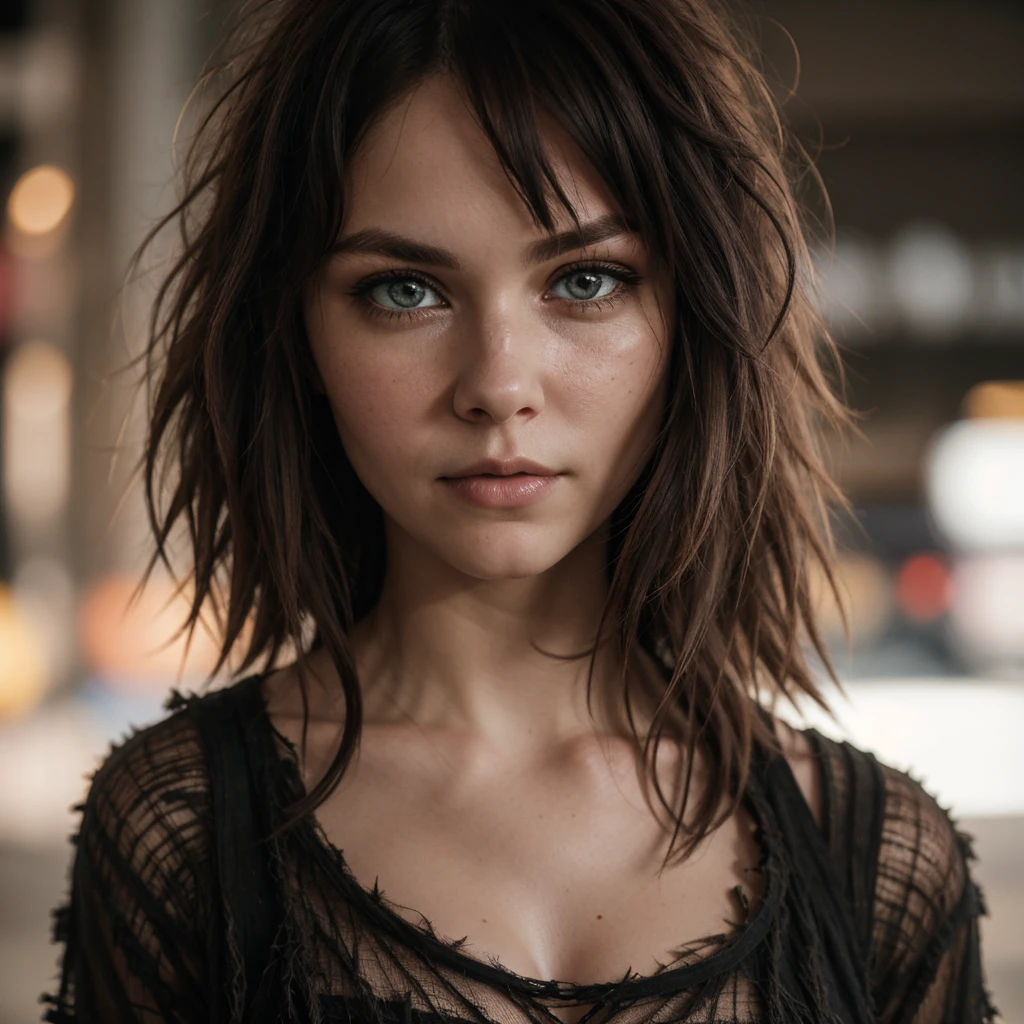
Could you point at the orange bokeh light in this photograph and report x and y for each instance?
(23, 675)
(137, 644)
(40, 200)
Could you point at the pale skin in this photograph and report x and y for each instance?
(485, 795)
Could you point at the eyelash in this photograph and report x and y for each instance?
(629, 279)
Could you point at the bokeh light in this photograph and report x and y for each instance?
(932, 278)
(924, 587)
(37, 398)
(996, 399)
(40, 200)
(23, 676)
(865, 588)
(44, 589)
(987, 614)
(133, 644)
(975, 484)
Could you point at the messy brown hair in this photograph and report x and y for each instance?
(714, 549)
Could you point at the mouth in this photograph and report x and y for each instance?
(498, 476)
(501, 490)
(490, 468)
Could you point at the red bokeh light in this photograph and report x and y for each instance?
(924, 587)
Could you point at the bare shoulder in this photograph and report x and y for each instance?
(803, 762)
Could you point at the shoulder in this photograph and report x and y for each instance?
(881, 823)
(162, 758)
(148, 801)
(922, 874)
(899, 855)
(892, 814)
(136, 923)
(906, 865)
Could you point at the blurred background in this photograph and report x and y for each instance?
(916, 114)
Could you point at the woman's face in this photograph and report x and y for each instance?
(448, 329)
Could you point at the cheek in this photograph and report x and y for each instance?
(617, 388)
(376, 403)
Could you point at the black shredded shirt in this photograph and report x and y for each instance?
(179, 913)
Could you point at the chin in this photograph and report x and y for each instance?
(505, 558)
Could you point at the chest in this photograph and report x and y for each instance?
(553, 868)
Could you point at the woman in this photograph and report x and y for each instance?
(492, 388)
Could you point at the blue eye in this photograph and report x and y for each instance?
(583, 285)
(402, 293)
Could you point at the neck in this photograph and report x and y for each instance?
(448, 651)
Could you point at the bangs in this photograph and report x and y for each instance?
(522, 68)
(576, 66)
(660, 107)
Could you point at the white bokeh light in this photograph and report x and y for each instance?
(931, 277)
(974, 480)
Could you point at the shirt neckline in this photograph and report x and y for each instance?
(422, 937)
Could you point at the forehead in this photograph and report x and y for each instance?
(426, 164)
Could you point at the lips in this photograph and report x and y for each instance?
(502, 483)
(502, 491)
(501, 467)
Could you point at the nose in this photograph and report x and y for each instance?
(499, 374)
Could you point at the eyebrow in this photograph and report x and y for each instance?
(376, 241)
